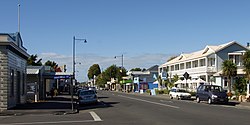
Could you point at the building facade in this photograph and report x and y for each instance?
(206, 64)
(13, 62)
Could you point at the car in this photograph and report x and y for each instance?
(87, 97)
(179, 93)
(211, 94)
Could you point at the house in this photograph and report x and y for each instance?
(205, 64)
(143, 80)
(12, 70)
(41, 79)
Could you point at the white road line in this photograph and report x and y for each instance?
(150, 102)
(56, 122)
(166, 101)
(95, 116)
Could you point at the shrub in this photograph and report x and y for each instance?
(148, 91)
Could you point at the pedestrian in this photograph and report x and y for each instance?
(52, 92)
(55, 92)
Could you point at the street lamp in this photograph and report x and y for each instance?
(122, 63)
(74, 63)
(122, 59)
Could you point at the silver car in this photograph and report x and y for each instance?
(87, 97)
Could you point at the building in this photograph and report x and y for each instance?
(143, 80)
(42, 79)
(205, 64)
(13, 62)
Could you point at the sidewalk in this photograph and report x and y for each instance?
(58, 105)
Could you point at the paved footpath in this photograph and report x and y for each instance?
(58, 105)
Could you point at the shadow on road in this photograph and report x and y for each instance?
(97, 105)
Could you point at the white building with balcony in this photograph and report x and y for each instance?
(205, 64)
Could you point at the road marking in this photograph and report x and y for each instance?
(150, 102)
(95, 116)
(166, 101)
(56, 122)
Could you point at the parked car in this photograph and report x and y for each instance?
(87, 96)
(211, 94)
(179, 93)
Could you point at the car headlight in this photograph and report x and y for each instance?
(214, 96)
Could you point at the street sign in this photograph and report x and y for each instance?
(186, 75)
(62, 77)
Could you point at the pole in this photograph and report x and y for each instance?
(73, 78)
(19, 16)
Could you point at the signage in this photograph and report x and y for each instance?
(62, 77)
(186, 75)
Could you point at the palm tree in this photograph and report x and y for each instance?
(32, 60)
(229, 69)
(246, 64)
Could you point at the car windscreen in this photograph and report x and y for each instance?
(87, 92)
(181, 90)
(216, 89)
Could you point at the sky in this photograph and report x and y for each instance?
(146, 32)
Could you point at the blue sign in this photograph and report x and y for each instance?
(62, 77)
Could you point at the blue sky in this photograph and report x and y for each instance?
(147, 32)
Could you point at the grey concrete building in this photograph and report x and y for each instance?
(13, 62)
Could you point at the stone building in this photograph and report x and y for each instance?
(13, 62)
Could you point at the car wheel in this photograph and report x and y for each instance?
(171, 97)
(177, 97)
(198, 99)
(209, 101)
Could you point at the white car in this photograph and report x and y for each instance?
(179, 94)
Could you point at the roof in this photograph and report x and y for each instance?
(153, 68)
(201, 53)
(33, 70)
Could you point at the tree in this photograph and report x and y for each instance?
(240, 86)
(229, 69)
(246, 64)
(136, 69)
(94, 70)
(100, 80)
(52, 64)
(33, 61)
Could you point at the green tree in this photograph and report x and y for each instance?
(136, 69)
(246, 64)
(33, 61)
(94, 70)
(52, 64)
(229, 69)
(100, 80)
(176, 78)
(240, 86)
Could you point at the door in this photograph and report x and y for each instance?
(18, 94)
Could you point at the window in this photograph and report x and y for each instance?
(188, 65)
(172, 68)
(182, 66)
(12, 83)
(238, 60)
(202, 62)
(225, 81)
(195, 63)
(211, 61)
(177, 67)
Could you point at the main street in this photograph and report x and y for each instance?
(116, 108)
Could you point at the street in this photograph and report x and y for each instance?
(116, 108)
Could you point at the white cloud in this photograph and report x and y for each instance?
(84, 61)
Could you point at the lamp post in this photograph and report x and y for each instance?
(122, 62)
(122, 59)
(74, 63)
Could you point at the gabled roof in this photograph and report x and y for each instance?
(202, 53)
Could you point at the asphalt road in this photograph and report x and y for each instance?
(117, 108)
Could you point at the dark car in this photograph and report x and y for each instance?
(211, 94)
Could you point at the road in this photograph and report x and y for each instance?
(116, 108)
